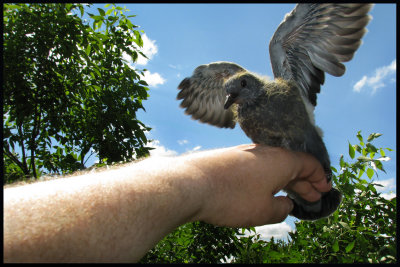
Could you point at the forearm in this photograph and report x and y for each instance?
(118, 215)
(115, 215)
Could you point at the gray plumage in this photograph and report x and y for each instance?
(311, 40)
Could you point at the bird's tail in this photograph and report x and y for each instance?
(329, 201)
(322, 208)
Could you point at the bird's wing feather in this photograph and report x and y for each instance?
(203, 94)
(316, 38)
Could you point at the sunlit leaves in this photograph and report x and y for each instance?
(70, 86)
(356, 228)
(351, 151)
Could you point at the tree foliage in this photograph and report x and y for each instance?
(195, 242)
(67, 90)
(362, 230)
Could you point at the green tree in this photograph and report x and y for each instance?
(362, 230)
(195, 242)
(67, 90)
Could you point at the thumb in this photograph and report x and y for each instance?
(281, 206)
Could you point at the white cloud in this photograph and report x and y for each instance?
(160, 151)
(194, 149)
(360, 84)
(389, 188)
(379, 78)
(388, 184)
(183, 142)
(388, 196)
(127, 58)
(153, 79)
(149, 49)
(278, 231)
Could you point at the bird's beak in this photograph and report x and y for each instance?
(230, 99)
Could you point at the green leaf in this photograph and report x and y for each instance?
(344, 225)
(351, 151)
(335, 246)
(98, 24)
(379, 165)
(97, 72)
(371, 148)
(101, 11)
(359, 136)
(129, 23)
(341, 161)
(8, 6)
(82, 10)
(364, 159)
(361, 171)
(96, 17)
(350, 246)
(357, 148)
(87, 50)
(143, 82)
(370, 173)
(138, 40)
(98, 88)
(373, 136)
(108, 12)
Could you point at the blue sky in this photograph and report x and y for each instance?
(179, 37)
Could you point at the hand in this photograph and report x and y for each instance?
(244, 179)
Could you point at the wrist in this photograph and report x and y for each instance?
(212, 171)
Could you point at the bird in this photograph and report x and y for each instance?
(313, 39)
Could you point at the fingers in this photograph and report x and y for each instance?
(280, 208)
(309, 179)
(307, 176)
(310, 169)
(312, 172)
(304, 189)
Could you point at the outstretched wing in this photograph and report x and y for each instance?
(316, 38)
(203, 94)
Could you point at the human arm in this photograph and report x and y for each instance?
(118, 215)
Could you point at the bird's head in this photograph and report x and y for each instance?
(242, 88)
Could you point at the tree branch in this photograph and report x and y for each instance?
(15, 160)
(21, 142)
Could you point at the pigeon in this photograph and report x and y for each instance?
(311, 40)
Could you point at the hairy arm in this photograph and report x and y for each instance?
(118, 215)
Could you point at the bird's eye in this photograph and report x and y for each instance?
(243, 83)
